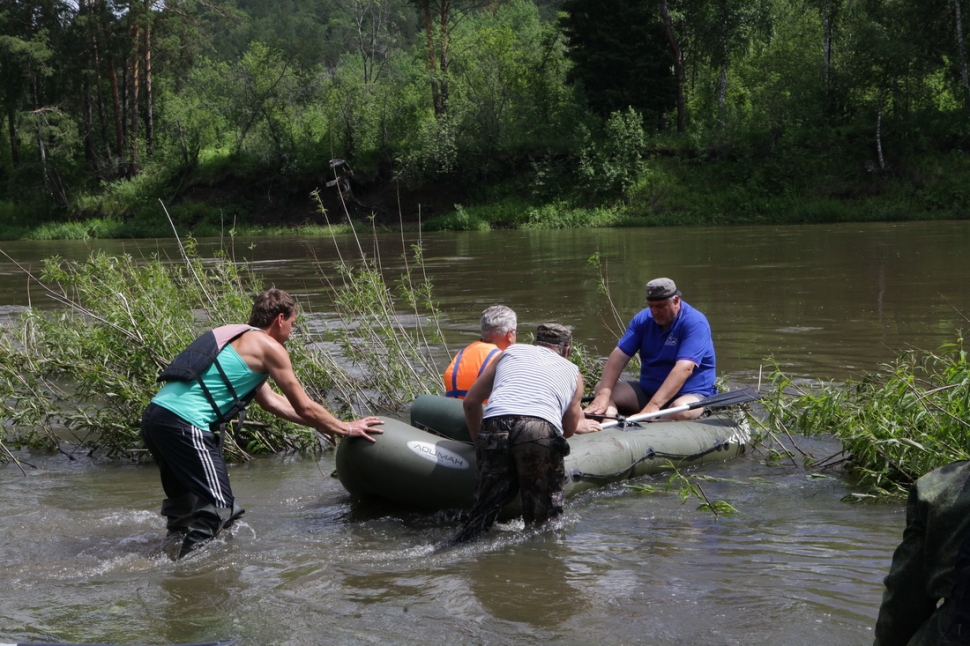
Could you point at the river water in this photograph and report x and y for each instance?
(82, 544)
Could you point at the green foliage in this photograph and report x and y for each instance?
(387, 330)
(518, 214)
(263, 94)
(463, 220)
(507, 88)
(124, 198)
(17, 220)
(590, 367)
(433, 153)
(620, 54)
(80, 230)
(613, 164)
(195, 116)
(88, 371)
(895, 425)
(85, 374)
(687, 489)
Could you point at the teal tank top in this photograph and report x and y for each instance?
(186, 399)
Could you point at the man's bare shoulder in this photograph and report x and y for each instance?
(257, 349)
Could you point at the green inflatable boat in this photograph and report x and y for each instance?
(429, 464)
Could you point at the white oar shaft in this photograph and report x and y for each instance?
(645, 416)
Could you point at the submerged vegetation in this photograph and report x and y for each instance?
(687, 489)
(910, 416)
(82, 375)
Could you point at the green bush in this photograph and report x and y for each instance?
(896, 424)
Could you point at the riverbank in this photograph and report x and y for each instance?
(673, 188)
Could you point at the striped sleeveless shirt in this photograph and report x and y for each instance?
(534, 381)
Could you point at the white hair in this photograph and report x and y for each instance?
(497, 321)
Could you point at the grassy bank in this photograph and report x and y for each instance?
(683, 190)
(671, 188)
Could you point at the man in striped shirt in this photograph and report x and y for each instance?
(533, 394)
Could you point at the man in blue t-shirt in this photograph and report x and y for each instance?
(676, 359)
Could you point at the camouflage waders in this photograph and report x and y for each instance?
(517, 455)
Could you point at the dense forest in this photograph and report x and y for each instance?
(477, 113)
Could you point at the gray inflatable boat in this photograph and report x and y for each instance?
(429, 464)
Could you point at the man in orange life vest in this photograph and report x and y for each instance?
(498, 333)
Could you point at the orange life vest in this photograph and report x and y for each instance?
(466, 367)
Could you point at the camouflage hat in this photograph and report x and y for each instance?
(660, 289)
(554, 334)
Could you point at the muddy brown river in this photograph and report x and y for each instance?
(82, 542)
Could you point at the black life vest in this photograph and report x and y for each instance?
(199, 356)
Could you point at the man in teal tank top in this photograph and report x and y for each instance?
(180, 425)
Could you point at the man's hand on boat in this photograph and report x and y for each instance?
(363, 427)
(600, 405)
(588, 426)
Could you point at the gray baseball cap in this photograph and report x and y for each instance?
(660, 289)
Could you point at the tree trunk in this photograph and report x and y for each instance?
(12, 131)
(103, 119)
(370, 42)
(722, 92)
(443, 83)
(90, 153)
(678, 66)
(125, 94)
(826, 40)
(432, 62)
(41, 148)
(961, 50)
(882, 159)
(90, 150)
(119, 116)
(135, 77)
(362, 47)
(725, 61)
(149, 99)
(42, 152)
(98, 83)
(118, 110)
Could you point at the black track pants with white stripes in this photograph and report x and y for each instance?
(189, 459)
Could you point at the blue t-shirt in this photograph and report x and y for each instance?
(688, 337)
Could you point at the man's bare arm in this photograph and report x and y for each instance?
(474, 402)
(574, 420)
(614, 367)
(295, 405)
